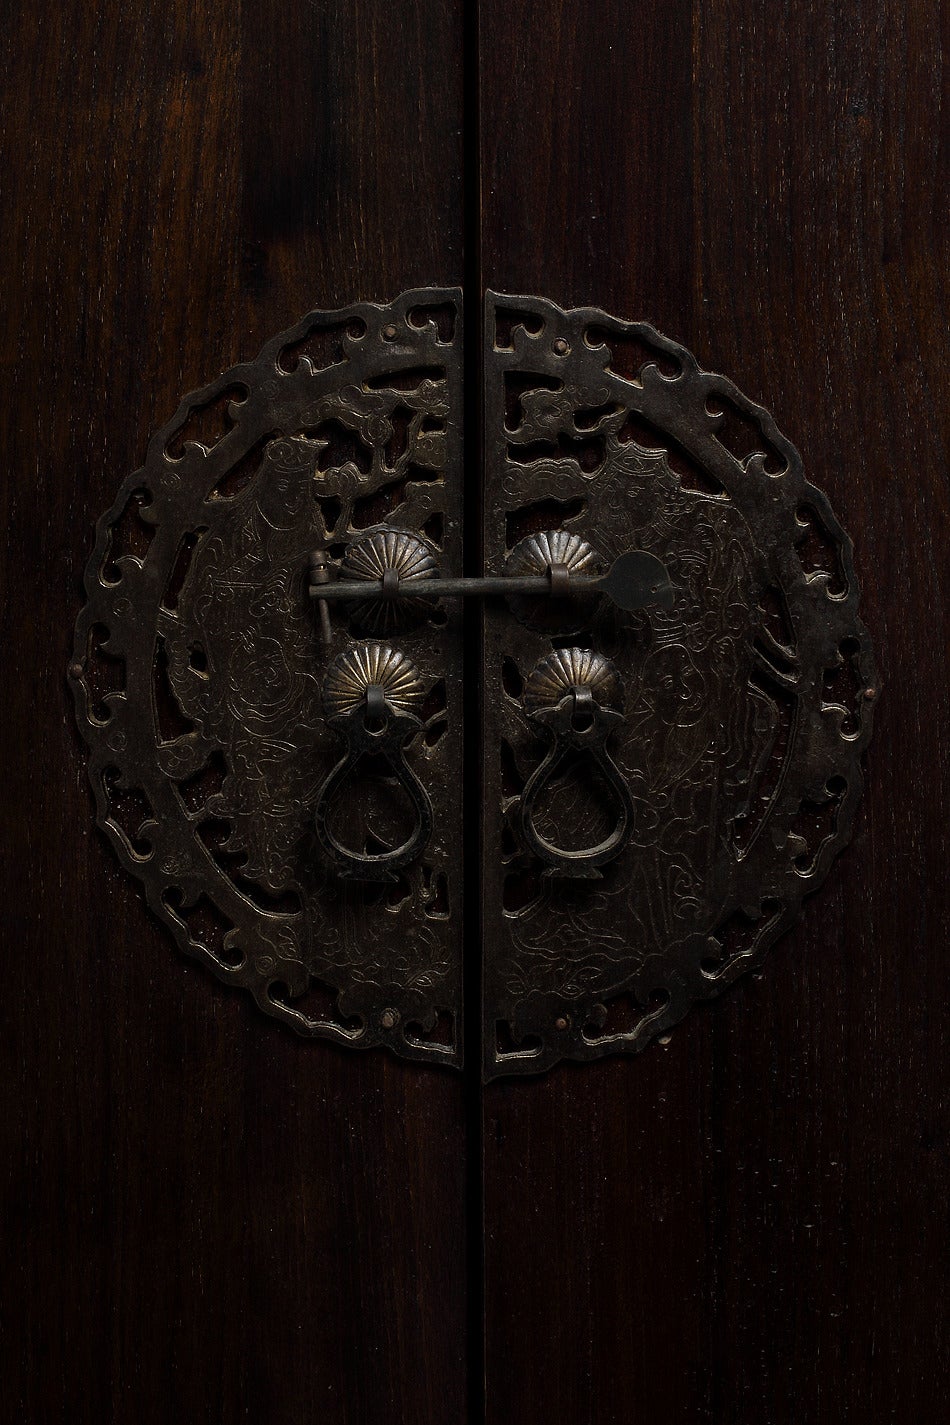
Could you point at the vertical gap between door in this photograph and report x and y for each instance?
(472, 754)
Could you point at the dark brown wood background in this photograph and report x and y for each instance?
(205, 1219)
(749, 1225)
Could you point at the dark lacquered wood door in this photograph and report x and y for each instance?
(746, 1223)
(205, 1218)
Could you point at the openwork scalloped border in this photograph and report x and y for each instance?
(592, 379)
(237, 462)
(323, 958)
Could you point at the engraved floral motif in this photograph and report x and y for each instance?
(743, 786)
(220, 717)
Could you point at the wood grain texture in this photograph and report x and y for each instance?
(203, 1217)
(748, 1224)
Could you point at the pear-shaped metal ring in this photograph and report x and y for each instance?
(576, 696)
(368, 699)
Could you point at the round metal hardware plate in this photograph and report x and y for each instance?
(535, 555)
(198, 673)
(703, 759)
(748, 689)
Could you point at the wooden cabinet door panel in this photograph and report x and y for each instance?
(205, 1217)
(743, 1224)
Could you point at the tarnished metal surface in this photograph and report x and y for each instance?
(676, 688)
(198, 670)
(747, 700)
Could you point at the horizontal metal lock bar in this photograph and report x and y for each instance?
(634, 581)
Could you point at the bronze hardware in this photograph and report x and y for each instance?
(677, 690)
(634, 581)
(198, 675)
(747, 700)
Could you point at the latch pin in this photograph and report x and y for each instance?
(634, 581)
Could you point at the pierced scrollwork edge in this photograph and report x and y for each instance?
(690, 986)
(99, 609)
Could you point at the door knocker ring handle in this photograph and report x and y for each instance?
(368, 697)
(575, 695)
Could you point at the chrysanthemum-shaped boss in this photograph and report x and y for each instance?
(366, 665)
(568, 668)
(537, 555)
(370, 559)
